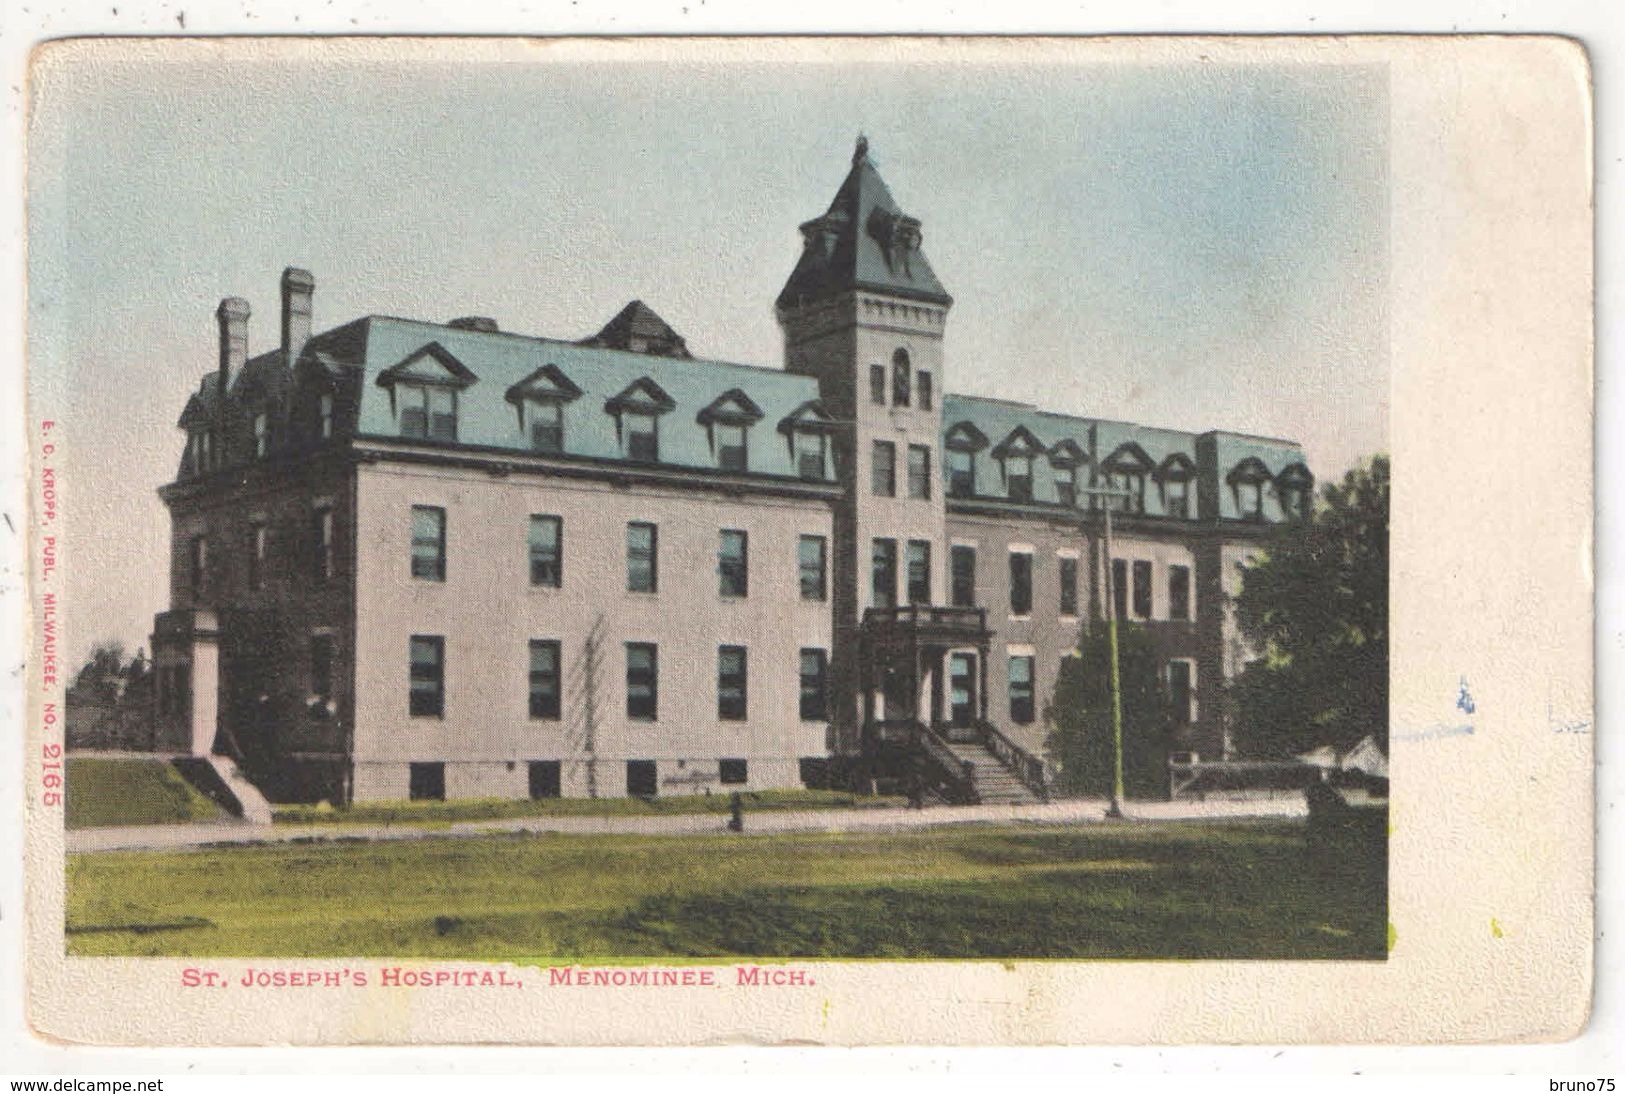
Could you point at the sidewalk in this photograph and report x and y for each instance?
(1075, 811)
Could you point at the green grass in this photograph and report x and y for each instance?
(103, 792)
(1178, 890)
(478, 809)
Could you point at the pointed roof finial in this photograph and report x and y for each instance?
(862, 152)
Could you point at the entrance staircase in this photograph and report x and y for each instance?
(993, 783)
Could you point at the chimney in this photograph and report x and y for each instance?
(233, 316)
(297, 287)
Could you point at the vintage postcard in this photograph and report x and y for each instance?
(866, 541)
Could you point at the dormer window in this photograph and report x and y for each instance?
(324, 412)
(637, 412)
(540, 399)
(963, 442)
(427, 411)
(198, 451)
(1125, 471)
(812, 455)
(1066, 486)
(807, 429)
(424, 388)
(1018, 477)
(641, 434)
(1016, 453)
(1247, 481)
(902, 379)
(547, 427)
(262, 435)
(731, 452)
(1064, 459)
(729, 417)
(1294, 486)
(1174, 477)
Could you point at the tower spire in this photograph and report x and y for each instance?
(861, 154)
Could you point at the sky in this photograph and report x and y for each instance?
(1191, 245)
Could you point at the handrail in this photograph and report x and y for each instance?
(960, 774)
(1026, 767)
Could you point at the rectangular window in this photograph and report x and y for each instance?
(642, 681)
(732, 772)
(733, 563)
(922, 381)
(545, 679)
(321, 667)
(1120, 587)
(883, 469)
(1021, 583)
(428, 411)
(442, 414)
(544, 779)
(428, 676)
(962, 561)
(1066, 487)
(814, 689)
(731, 683)
(641, 779)
(256, 555)
(1179, 592)
(1069, 585)
(1021, 690)
(811, 561)
(1142, 589)
(811, 461)
(961, 689)
(919, 571)
(642, 436)
(1018, 474)
(427, 782)
(877, 384)
(731, 452)
(324, 415)
(883, 574)
(262, 434)
(198, 558)
(322, 534)
(547, 551)
(961, 473)
(546, 426)
(1177, 495)
(429, 542)
(1182, 691)
(1250, 499)
(642, 558)
(919, 471)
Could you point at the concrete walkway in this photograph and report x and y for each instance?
(159, 837)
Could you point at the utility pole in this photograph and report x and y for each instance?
(1116, 808)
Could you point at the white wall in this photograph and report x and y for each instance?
(487, 611)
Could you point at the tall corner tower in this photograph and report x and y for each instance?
(864, 315)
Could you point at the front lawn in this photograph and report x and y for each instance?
(102, 791)
(1187, 890)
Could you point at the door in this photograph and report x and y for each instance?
(962, 688)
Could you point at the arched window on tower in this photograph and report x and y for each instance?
(902, 379)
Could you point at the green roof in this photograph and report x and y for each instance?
(498, 361)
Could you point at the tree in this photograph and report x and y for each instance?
(1081, 712)
(1314, 605)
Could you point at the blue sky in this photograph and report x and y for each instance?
(1194, 246)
